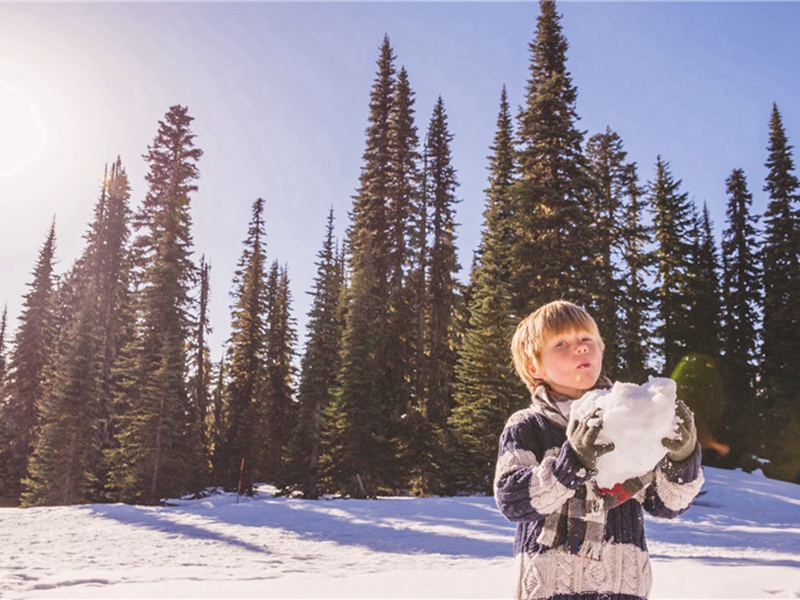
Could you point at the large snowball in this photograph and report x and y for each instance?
(635, 418)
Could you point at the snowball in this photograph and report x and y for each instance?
(635, 418)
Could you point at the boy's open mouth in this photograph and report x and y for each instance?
(585, 365)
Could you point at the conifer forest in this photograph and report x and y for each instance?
(404, 382)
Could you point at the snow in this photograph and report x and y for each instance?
(740, 540)
(635, 419)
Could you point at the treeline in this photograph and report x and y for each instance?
(405, 381)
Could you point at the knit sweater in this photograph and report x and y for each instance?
(537, 472)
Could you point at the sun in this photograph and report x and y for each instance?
(22, 136)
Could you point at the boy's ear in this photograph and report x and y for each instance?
(534, 370)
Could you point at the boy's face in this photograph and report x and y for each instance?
(570, 363)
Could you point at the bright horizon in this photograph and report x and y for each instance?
(279, 93)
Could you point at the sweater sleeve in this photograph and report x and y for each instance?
(675, 486)
(535, 474)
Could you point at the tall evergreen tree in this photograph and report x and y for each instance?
(781, 329)
(318, 368)
(159, 450)
(19, 417)
(706, 307)
(67, 466)
(361, 439)
(487, 390)
(440, 179)
(673, 225)
(636, 298)
(552, 240)
(200, 380)
(741, 292)
(781, 269)
(246, 360)
(610, 173)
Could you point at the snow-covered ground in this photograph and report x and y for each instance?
(740, 540)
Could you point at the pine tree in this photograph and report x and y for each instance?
(636, 297)
(610, 174)
(781, 269)
(318, 368)
(781, 329)
(741, 291)
(487, 391)
(673, 225)
(29, 358)
(200, 380)
(159, 452)
(360, 433)
(279, 416)
(67, 466)
(245, 364)
(706, 303)
(435, 407)
(552, 237)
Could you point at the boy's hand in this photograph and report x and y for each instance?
(582, 437)
(681, 448)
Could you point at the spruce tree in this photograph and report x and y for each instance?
(610, 173)
(781, 329)
(200, 379)
(672, 226)
(706, 303)
(636, 298)
(487, 391)
(27, 363)
(318, 368)
(246, 361)
(159, 453)
(279, 416)
(361, 435)
(552, 237)
(67, 466)
(741, 292)
(3, 325)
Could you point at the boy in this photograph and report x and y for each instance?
(574, 539)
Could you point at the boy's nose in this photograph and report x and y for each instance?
(582, 348)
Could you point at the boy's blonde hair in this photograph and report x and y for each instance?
(533, 332)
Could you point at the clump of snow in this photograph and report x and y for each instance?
(635, 419)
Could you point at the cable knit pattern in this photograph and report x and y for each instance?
(677, 497)
(624, 571)
(537, 472)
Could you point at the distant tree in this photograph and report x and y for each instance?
(245, 393)
(636, 298)
(610, 173)
(706, 300)
(19, 417)
(552, 236)
(159, 451)
(673, 225)
(487, 391)
(360, 438)
(318, 368)
(279, 416)
(741, 293)
(200, 377)
(67, 466)
(781, 330)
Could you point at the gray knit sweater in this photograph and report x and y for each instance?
(537, 473)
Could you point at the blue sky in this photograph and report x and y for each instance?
(279, 93)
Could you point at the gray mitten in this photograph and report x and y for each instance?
(681, 448)
(582, 437)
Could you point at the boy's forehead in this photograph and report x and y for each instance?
(568, 330)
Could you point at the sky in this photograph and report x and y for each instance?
(279, 94)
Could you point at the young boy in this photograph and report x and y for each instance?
(574, 539)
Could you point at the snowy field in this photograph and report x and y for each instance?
(740, 540)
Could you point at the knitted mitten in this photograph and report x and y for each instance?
(582, 436)
(681, 448)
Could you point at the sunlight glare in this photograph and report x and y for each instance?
(22, 136)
